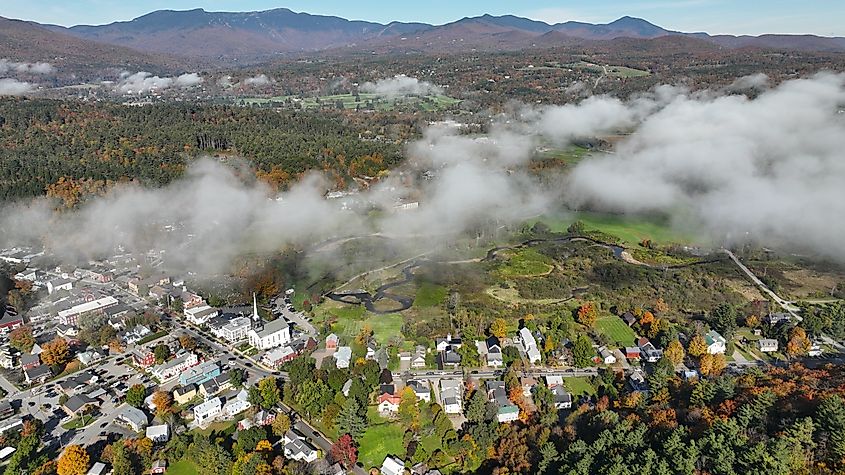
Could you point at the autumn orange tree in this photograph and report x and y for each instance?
(74, 461)
(752, 321)
(56, 352)
(587, 314)
(798, 344)
(163, 402)
(712, 365)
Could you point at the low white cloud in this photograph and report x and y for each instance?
(258, 81)
(7, 66)
(13, 87)
(400, 85)
(143, 82)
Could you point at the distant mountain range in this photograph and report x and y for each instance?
(256, 36)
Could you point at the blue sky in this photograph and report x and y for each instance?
(822, 17)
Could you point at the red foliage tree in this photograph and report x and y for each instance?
(344, 451)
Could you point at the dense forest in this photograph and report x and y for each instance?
(63, 144)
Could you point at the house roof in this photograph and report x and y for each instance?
(714, 337)
(157, 431)
(272, 327)
(182, 390)
(38, 372)
(77, 402)
(134, 416)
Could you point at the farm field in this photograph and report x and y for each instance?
(351, 319)
(630, 230)
(363, 101)
(615, 330)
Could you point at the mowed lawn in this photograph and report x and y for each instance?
(382, 438)
(615, 329)
(182, 467)
(579, 386)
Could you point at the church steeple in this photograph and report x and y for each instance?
(256, 318)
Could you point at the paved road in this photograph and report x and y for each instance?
(784, 304)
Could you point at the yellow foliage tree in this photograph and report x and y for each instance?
(661, 306)
(674, 352)
(647, 318)
(499, 328)
(712, 365)
(752, 321)
(263, 445)
(74, 461)
(697, 346)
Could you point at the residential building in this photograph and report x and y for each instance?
(451, 395)
(237, 404)
(278, 356)
(143, 357)
(648, 351)
(418, 359)
(38, 374)
(342, 356)
(388, 399)
(207, 411)
(159, 466)
(529, 345)
(99, 468)
(297, 448)
(134, 418)
(553, 381)
(78, 404)
(236, 330)
(442, 344)
(421, 389)
(496, 393)
(494, 352)
(78, 382)
(629, 318)
(7, 361)
(200, 373)
(563, 400)
(184, 394)
(136, 334)
(56, 285)
(767, 345)
(632, 353)
(30, 361)
(392, 466)
(171, 369)
(215, 385)
(715, 342)
(90, 356)
(815, 350)
(528, 384)
(637, 381)
(159, 434)
(201, 314)
(606, 356)
(778, 318)
(332, 341)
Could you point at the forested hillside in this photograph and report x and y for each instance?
(47, 142)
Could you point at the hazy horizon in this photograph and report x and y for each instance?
(818, 17)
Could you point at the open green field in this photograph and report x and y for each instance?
(579, 386)
(363, 101)
(525, 262)
(350, 322)
(615, 330)
(430, 295)
(182, 467)
(570, 156)
(382, 438)
(631, 230)
(610, 70)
